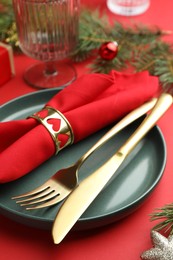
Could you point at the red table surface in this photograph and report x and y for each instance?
(123, 240)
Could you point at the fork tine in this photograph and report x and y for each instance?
(49, 196)
(46, 192)
(40, 189)
(46, 204)
(39, 195)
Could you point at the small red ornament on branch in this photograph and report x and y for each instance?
(108, 50)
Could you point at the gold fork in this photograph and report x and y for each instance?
(63, 182)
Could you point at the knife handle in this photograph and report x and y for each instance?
(129, 118)
(162, 104)
(83, 195)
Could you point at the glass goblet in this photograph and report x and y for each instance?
(48, 32)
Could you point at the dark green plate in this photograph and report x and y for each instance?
(136, 179)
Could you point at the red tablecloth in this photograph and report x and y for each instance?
(123, 240)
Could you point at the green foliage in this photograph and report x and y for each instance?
(6, 17)
(165, 215)
(139, 47)
(8, 32)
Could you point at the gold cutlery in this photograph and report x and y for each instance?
(83, 195)
(61, 184)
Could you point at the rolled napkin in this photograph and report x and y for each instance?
(87, 105)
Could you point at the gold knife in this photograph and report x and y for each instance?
(83, 195)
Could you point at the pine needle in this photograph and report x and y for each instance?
(165, 216)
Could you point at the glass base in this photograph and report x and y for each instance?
(37, 76)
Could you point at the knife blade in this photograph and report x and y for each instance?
(83, 195)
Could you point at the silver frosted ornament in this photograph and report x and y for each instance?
(163, 248)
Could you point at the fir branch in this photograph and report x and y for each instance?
(158, 60)
(6, 17)
(164, 70)
(100, 65)
(92, 32)
(104, 66)
(136, 34)
(140, 47)
(165, 215)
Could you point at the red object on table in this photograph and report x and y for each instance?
(6, 63)
(111, 96)
(108, 50)
(124, 240)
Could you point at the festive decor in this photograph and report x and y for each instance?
(139, 47)
(165, 215)
(163, 248)
(108, 50)
(8, 32)
(7, 70)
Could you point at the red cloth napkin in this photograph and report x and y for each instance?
(89, 104)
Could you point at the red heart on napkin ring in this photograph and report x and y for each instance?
(62, 139)
(56, 123)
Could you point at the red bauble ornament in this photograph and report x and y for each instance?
(108, 50)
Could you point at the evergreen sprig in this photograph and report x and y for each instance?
(92, 33)
(165, 217)
(6, 17)
(140, 48)
(8, 32)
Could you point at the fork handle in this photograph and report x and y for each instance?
(163, 103)
(129, 118)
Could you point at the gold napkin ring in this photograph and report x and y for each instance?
(45, 116)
